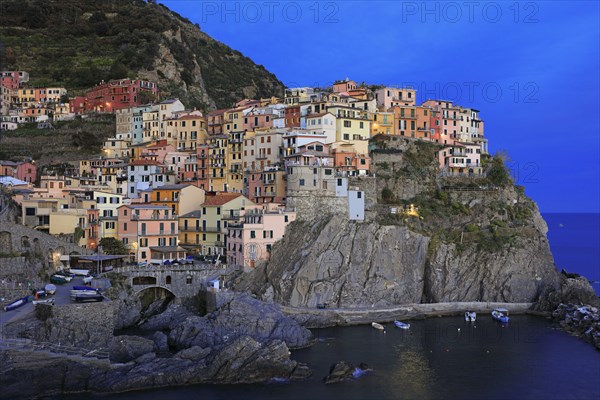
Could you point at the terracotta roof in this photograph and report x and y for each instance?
(220, 198)
(217, 112)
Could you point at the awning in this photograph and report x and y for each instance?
(167, 249)
(96, 257)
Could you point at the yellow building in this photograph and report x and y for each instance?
(233, 120)
(186, 131)
(182, 198)
(217, 163)
(383, 123)
(351, 124)
(219, 210)
(235, 162)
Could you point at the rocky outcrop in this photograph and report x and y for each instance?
(346, 264)
(571, 291)
(582, 321)
(243, 316)
(485, 241)
(343, 371)
(33, 374)
(126, 348)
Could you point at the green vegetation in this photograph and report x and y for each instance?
(497, 173)
(69, 140)
(113, 246)
(77, 43)
(387, 195)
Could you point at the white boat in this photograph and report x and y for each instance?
(88, 279)
(470, 316)
(402, 325)
(80, 272)
(500, 314)
(377, 326)
(44, 301)
(50, 288)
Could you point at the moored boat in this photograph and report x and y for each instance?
(50, 288)
(16, 304)
(85, 288)
(58, 279)
(470, 316)
(377, 326)
(401, 325)
(44, 301)
(500, 314)
(86, 297)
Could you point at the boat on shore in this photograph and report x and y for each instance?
(401, 325)
(377, 326)
(16, 304)
(50, 288)
(84, 297)
(44, 301)
(86, 288)
(470, 316)
(500, 314)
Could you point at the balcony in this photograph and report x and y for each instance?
(211, 229)
(190, 229)
(234, 216)
(219, 244)
(269, 181)
(261, 157)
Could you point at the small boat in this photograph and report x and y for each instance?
(377, 326)
(470, 316)
(50, 288)
(88, 279)
(58, 279)
(500, 314)
(66, 276)
(44, 301)
(85, 288)
(87, 297)
(401, 325)
(80, 272)
(16, 304)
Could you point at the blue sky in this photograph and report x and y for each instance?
(532, 68)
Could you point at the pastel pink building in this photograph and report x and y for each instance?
(24, 171)
(150, 231)
(252, 240)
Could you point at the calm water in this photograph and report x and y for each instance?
(528, 359)
(575, 243)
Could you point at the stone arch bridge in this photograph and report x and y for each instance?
(182, 281)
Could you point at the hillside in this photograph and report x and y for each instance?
(76, 43)
(68, 141)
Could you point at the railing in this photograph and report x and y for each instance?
(190, 229)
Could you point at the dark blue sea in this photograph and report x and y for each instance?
(447, 358)
(575, 244)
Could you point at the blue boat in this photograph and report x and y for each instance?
(401, 325)
(87, 288)
(500, 314)
(16, 304)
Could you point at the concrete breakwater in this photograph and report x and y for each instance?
(321, 318)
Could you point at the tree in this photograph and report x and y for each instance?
(113, 246)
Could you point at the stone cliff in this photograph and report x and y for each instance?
(475, 239)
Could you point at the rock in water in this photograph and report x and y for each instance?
(341, 372)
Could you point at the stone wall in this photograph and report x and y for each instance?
(19, 239)
(88, 326)
(309, 206)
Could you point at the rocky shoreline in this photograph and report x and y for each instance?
(245, 340)
(582, 321)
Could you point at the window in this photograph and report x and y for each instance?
(359, 195)
(301, 182)
(253, 234)
(125, 226)
(218, 210)
(143, 254)
(188, 280)
(347, 124)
